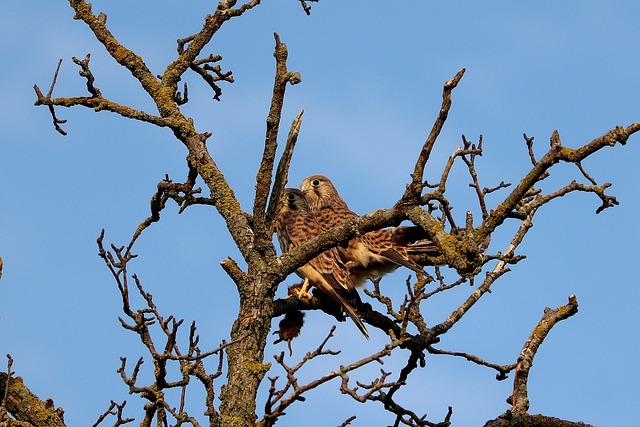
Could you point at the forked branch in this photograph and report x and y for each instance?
(265, 173)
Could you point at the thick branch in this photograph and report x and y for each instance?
(121, 54)
(299, 255)
(26, 406)
(101, 104)
(525, 420)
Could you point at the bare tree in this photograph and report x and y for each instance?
(462, 250)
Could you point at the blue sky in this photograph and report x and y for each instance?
(372, 77)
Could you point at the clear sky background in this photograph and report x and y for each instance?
(372, 76)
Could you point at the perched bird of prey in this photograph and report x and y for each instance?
(294, 224)
(373, 254)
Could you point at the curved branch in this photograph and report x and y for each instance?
(519, 399)
(121, 54)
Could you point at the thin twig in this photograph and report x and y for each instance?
(415, 188)
(7, 381)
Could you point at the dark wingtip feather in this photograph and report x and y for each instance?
(394, 256)
(346, 299)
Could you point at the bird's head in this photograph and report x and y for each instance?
(318, 190)
(294, 200)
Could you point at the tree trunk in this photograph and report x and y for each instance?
(245, 356)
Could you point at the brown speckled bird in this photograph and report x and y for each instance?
(373, 254)
(294, 224)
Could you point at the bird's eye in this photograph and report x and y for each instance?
(315, 182)
(291, 197)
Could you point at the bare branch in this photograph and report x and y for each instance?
(519, 399)
(491, 277)
(415, 188)
(556, 154)
(383, 391)
(607, 201)
(503, 370)
(197, 42)
(7, 378)
(282, 172)
(272, 414)
(120, 53)
(56, 122)
(509, 419)
(204, 68)
(348, 421)
(96, 101)
(114, 409)
(307, 10)
(264, 176)
(86, 73)
(190, 363)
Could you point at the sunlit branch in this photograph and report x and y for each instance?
(121, 54)
(20, 407)
(96, 101)
(519, 399)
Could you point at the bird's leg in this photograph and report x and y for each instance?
(300, 291)
(303, 294)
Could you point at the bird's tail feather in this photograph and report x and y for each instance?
(339, 295)
(357, 320)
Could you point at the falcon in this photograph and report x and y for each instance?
(294, 224)
(373, 254)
